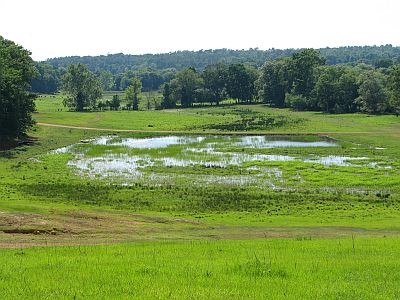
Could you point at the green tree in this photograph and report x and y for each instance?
(302, 71)
(47, 79)
(373, 96)
(394, 89)
(16, 102)
(115, 102)
(132, 93)
(215, 80)
(125, 80)
(184, 87)
(297, 102)
(336, 89)
(241, 82)
(273, 82)
(107, 80)
(167, 101)
(82, 87)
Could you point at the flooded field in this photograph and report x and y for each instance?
(235, 160)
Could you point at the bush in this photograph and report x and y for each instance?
(297, 102)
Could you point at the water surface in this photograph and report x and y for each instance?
(151, 159)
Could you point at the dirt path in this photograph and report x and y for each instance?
(106, 129)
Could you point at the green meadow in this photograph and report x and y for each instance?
(258, 269)
(210, 217)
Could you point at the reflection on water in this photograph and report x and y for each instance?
(148, 143)
(268, 142)
(198, 151)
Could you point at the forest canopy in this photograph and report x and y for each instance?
(116, 70)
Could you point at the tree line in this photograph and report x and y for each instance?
(49, 79)
(302, 81)
(305, 82)
(155, 69)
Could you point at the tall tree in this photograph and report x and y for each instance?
(336, 89)
(373, 96)
(184, 86)
(240, 82)
(132, 93)
(394, 89)
(115, 102)
(167, 101)
(302, 71)
(16, 102)
(107, 80)
(82, 87)
(273, 82)
(215, 80)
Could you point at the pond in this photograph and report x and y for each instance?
(199, 159)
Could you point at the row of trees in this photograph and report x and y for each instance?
(84, 89)
(214, 84)
(302, 82)
(116, 70)
(49, 79)
(377, 56)
(305, 82)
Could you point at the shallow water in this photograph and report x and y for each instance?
(148, 143)
(197, 151)
(268, 142)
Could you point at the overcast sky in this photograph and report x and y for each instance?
(54, 28)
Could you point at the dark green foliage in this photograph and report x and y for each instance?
(215, 81)
(132, 93)
(240, 82)
(119, 63)
(154, 70)
(115, 103)
(167, 101)
(47, 79)
(273, 82)
(373, 97)
(336, 89)
(394, 88)
(217, 75)
(106, 80)
(185, 85)
(16, 102)
(297, 102)
(302, 68)
(82, 87)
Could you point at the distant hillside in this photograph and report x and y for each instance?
(380, 56)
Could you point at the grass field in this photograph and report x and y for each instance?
(182, 229)
(257, 269)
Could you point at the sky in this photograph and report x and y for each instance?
(56, 28)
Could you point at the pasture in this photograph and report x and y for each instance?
(219, 206)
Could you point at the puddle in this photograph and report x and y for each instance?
(269, 142)
(191, 153)
(147, 143)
